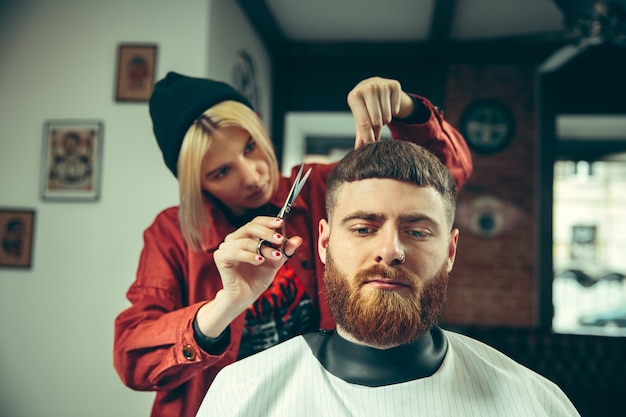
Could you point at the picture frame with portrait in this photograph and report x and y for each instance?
(72, 160)
(136, 68)
(17, 228)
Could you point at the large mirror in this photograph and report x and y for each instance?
(318, 137)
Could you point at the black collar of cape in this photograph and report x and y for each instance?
(364, 365)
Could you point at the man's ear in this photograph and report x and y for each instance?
(322, 241)
(452, 243)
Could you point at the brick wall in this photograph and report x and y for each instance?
(494, 281)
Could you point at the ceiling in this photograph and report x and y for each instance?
(448, 26)
(413, 20)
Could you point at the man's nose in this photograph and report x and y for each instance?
(390, 249)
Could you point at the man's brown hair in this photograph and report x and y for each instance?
(393, 159)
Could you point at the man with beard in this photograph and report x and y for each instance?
(388, 246)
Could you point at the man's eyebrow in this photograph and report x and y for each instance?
(408, 218)
(362, 215)
(420, 217)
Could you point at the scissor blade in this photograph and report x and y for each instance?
(297, 179)
(295, 190)
(300, 184)
(287, 206)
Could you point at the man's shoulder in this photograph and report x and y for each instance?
(270, 360)
(478, 358)
(468, 348)
(487, 369)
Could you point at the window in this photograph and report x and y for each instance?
(589, 246)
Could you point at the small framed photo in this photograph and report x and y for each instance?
(16, 237)
(136, 67)
(72, 160)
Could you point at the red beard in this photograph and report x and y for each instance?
(385, 317)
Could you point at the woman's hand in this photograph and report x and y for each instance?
(245, 274)
(374, 102)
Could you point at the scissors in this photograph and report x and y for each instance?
(286, 209)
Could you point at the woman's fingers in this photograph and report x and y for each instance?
(292, 244)
(373, 103)
(256, 241)
(267, 251)
(262, 227)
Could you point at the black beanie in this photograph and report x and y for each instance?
(176, 102)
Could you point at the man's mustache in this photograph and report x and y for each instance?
(396, 274)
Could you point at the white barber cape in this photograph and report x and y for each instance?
(473, 380)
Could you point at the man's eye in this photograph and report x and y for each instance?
(362, 230)
(417, 233)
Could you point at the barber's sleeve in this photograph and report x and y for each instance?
(428, 128)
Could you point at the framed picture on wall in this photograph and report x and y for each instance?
(136, 67)
(16, 237)
(71, 160)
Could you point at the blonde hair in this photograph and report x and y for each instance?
(196, 143)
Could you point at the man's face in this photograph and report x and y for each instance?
(374, 297)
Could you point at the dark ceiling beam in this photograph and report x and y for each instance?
(263, 21)
(443, 16)
(467, 51)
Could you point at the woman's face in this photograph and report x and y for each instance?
(235, 171)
